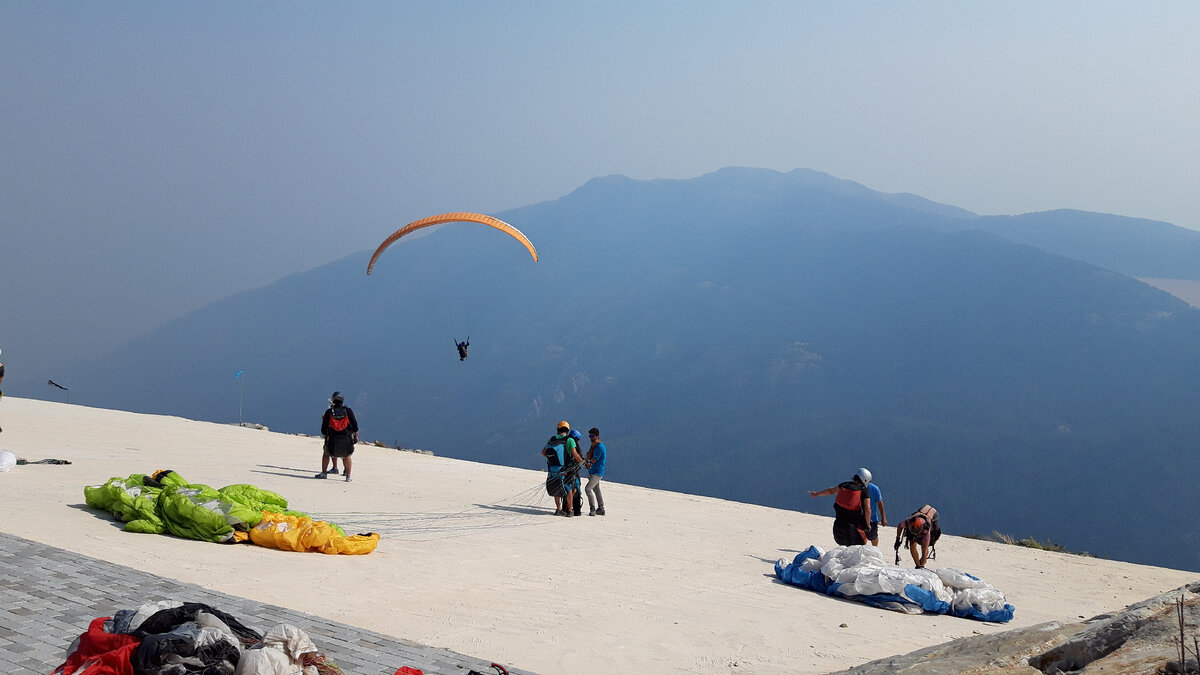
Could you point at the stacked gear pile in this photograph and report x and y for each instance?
(166, 503)
(860, 573)
(171, 637)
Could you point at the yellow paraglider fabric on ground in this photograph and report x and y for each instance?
(289, 533)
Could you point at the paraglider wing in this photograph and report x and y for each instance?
(461, 216)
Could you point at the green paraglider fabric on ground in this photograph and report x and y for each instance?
(254, 496)
(202, 512)
(130, 500)
(265, 500)
(166, 503)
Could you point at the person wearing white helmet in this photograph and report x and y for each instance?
(852, 509)
(878, 515)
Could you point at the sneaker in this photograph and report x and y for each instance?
(592, 512)
(323, 474)
(347, 478)
(333, 471)
(599, 512)
(567, 514)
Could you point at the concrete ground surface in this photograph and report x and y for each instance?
(472, 561)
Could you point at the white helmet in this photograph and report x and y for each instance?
(864, 475)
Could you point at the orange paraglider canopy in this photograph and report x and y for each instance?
(460, 216)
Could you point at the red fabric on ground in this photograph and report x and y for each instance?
(103, 653)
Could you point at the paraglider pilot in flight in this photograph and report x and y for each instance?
(456, 217)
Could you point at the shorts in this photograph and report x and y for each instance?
(846, 533)
(339, 446)
(873, 533)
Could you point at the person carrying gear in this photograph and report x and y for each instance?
(555, 452)
(340, 429)
(852, 509)
(569, 462)
(462, 348)
(921, 527)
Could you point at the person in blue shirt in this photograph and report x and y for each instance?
(596, 456)
(878, 516)
(577, 501)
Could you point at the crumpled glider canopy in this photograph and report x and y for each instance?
(460, 216)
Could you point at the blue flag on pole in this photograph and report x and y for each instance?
(238, 374)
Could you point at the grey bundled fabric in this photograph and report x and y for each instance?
(185, 638)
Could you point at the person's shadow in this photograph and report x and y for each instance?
(296, 473)
(528, 510)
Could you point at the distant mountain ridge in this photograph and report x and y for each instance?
(749, 335)
(1135, 246)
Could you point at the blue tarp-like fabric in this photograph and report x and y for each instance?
(914, 595)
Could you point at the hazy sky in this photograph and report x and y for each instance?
(157, 156)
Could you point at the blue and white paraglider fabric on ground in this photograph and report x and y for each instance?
(860, 573)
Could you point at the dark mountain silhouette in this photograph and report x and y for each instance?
(748, 335)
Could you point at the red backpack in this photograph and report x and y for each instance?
(850, 502)
(849, 498)
(338, 419)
